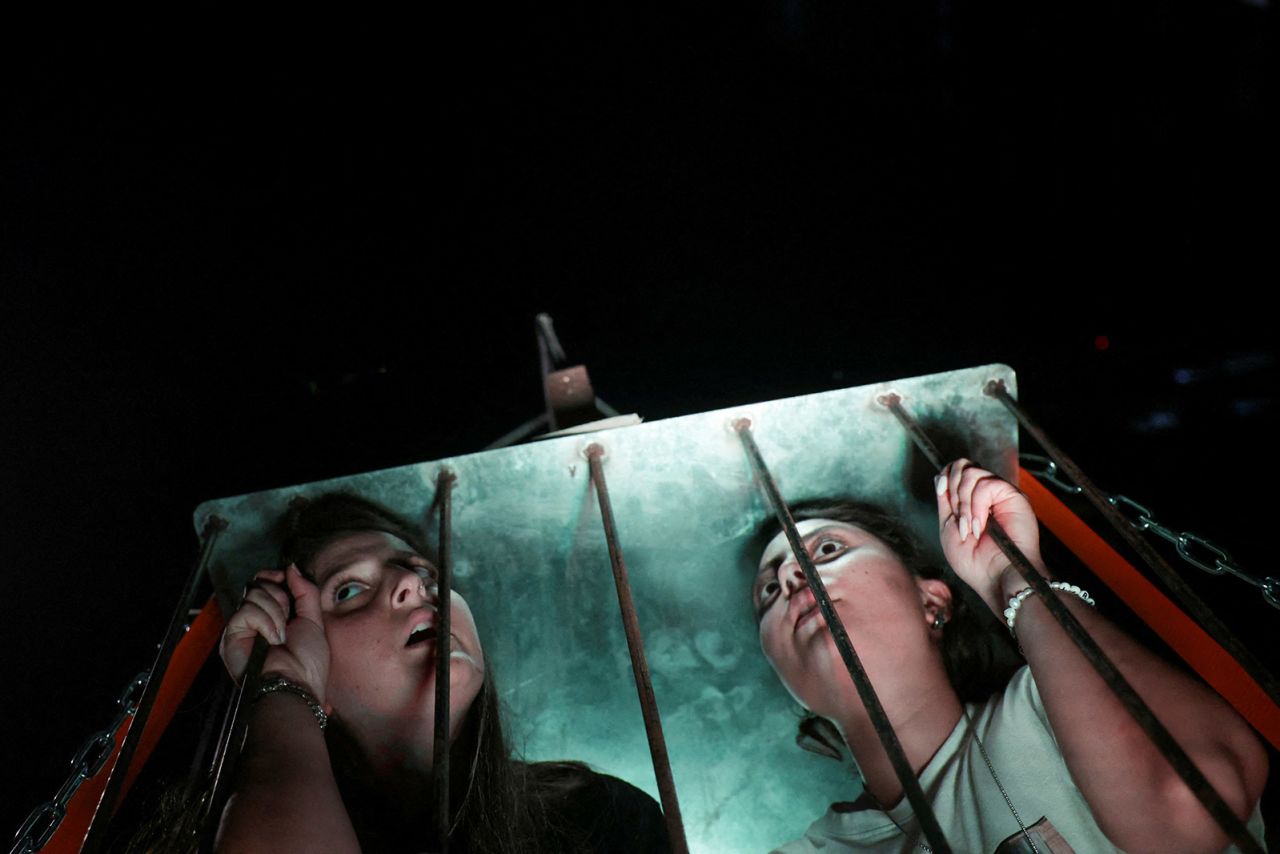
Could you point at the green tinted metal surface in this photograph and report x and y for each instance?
(530, 558)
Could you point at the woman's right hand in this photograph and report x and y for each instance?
(299, 651)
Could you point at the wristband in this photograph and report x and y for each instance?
(275, 683)
(1015, 601)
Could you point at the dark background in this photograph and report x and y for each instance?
(240, 254)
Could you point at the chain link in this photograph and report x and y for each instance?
(1271, 591)
(92, 756)
(1193, 548)
(1046, 469)
(103, 742)
(132, 693)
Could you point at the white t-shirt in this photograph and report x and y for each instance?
(970, 809)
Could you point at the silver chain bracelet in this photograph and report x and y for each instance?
(278, 683)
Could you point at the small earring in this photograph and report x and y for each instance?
(939, 620)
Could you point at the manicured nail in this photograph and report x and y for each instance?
(977, 527)
(940, 484)
(280, 636)
(964, 528)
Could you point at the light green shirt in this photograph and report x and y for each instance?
(966, 799)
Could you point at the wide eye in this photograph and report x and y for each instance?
(828, 548)
(765, 596)
(348, 590)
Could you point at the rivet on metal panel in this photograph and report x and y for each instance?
(215, 523)
(889, 398)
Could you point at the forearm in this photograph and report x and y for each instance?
(1134, 793)
(285, 797)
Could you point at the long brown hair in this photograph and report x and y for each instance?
(979, 660)
(496, 801)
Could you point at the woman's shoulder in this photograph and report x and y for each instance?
(601, 812)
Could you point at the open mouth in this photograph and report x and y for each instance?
(422, 633)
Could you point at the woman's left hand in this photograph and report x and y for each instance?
(969, 497)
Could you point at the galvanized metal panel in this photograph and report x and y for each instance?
(531, 560)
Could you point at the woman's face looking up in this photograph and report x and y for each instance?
(379, 603)
(883, 606)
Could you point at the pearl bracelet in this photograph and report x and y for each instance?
(1015, 601)
(278, 683)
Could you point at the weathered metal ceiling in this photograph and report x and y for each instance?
(531, 560)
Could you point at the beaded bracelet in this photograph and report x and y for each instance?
(1015, 601)
(278, 683)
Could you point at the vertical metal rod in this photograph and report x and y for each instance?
(550, 357)
(222, 773)
(894, 403)
(866, 692)
(96, 834)
(1146, 719)
(196, 776)
(639, 664)
(444, 587)
(1186, 597)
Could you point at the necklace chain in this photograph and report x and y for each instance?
(982, 748)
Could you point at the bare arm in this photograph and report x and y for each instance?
(1136, 797)
(285, 797)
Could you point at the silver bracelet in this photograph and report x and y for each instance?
(1016, 600)
(278, 683)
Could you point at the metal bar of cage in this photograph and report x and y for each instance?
(96, 835)
(1163, 740)
(866, 692)
(222, 772)
(444, 588)
(639, 663)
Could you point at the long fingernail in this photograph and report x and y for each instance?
(940, 484)
(280, 636)
(964, 528)
(977, 527)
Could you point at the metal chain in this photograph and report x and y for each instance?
(88, 761)
(1194, 549)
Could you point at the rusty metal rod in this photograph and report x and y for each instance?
(1141, 712)
(200, 761)
(444, 588)
(639, 665)
(871, 702)
(96, 835)
(232, 741)
(893, 402)
(1186, 597)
